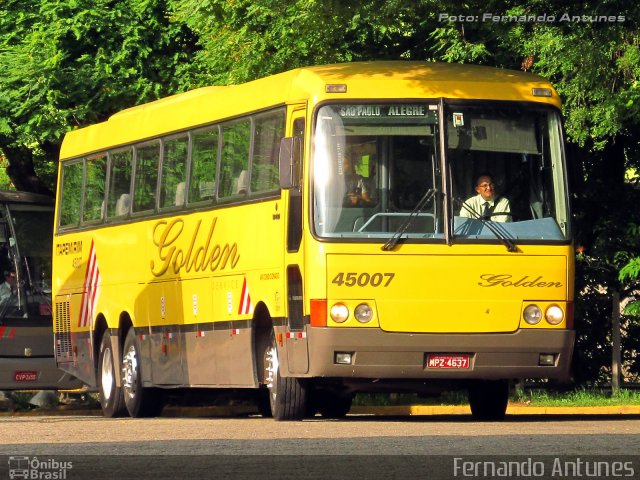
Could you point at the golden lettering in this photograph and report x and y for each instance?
(198, 256)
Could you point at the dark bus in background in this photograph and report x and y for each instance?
(26, 338)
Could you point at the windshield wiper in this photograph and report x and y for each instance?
(393, 241)
(493, 228)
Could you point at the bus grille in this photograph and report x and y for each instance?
(62, 329)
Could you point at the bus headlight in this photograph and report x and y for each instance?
(339, 313)
(532, 314)
(554, 315)
(363, 313)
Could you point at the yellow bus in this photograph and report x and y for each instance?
(311, 235)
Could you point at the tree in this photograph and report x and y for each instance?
(69, 63)
(590, 53)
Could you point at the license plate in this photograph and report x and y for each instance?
(25, 376)
(440, 360)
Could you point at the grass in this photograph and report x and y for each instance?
(577, 398)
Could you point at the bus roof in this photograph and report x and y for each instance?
(11, 196)
(363, 80)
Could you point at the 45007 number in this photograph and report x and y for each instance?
(351, 279)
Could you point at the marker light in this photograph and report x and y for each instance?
(339, 312)
(363, 313)
(343, 358)
(318, 317)
(541, 92)
(335, 88)
(532, 314)
(546, 360)
(554, 315)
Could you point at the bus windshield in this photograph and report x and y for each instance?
(372, 165)
(25, 260)
(377, 171)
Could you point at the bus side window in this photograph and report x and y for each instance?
(96, 172)
(146, 176)
(204, 155)
(71, 194)
(119, 182)
(173, 175)
(269, 129)
(234, 157)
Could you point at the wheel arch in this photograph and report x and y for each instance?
(101, 326)
(262, 326)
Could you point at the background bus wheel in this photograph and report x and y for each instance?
(140, 401)
(333, 404)
(287, 396)
(488, 399)
(111, 399)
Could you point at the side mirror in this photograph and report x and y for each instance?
(289, 162)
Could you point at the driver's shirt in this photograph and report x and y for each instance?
(497, 206)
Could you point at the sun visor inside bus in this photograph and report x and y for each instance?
(489, 135)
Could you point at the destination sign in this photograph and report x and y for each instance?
(385, 111)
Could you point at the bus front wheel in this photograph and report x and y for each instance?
(488, 399)
(287, 395)
(111, 398)
(140, 401)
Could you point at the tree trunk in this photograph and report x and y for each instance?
(22, 173)
(616, 343)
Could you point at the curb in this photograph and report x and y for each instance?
(512, 409)
(380, 411)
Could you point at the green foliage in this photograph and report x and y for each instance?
(5, 181)
(246, 39)
(69, 63)
(631, 272)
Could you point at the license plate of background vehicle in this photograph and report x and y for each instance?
(25, 376)
(447, 360)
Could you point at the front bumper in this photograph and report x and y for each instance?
(382, 355)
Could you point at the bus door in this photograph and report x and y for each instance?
(297, 348)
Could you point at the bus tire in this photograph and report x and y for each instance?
(333, 404)
(488, 399)
(287, 395)
(140, 401)
(111, 398)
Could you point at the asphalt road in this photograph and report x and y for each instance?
(380, 447)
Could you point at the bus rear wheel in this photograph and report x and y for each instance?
(488, 399)
(140, 401)
(111, 397)
(287, 395)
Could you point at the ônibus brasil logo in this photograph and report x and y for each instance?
(37, 469)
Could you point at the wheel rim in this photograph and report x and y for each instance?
(106, 374)
(271, 371)
(130, 372)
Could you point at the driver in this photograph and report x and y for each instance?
(357, 189)
(486, 204)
